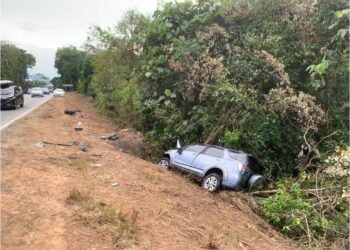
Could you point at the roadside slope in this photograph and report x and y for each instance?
(155, 209)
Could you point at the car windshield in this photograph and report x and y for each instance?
(6, 89)
(36, 89)
(59, 90)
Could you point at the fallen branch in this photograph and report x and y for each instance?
(213, 135)
(58, 144)
(274, 191)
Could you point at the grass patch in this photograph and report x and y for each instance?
(76, 196)
(84, 162)
(213, 241)
(106, 219)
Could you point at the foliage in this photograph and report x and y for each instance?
(269, 77)
(14, 63)
(318, 215)
(68, 62)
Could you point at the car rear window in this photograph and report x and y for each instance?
(195, 148)
(216, 152)
(237, 156)
(255, 165)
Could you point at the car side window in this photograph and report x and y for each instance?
(195, 148)
(216, 152)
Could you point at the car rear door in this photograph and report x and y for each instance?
(211, 156)
(184, 158)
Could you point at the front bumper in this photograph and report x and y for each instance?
(8, 103)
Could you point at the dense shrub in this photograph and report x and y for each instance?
(269, 77)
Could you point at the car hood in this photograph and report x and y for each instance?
(5, 96)
(7, 92)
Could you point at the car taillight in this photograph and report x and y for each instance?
(242, 167)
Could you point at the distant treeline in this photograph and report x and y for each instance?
(14, 63)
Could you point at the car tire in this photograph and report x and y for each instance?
(15, 105)
(22, 104)
(256, 183)
(164, 162)
(212, 182)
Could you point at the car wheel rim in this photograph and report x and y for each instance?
(164, 163)
(211, 183)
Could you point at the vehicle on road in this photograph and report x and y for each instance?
(58, 92)
(37, 92)
(216, 166)
(46, 91)
(11, 95)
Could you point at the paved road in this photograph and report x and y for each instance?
(9, 116)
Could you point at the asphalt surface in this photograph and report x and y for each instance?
(30, 103)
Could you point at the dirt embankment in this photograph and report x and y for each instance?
(59, 197)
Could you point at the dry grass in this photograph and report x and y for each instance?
(105, 218)
(173, 213)
(83, 162)
(213, 241)
(76, 196)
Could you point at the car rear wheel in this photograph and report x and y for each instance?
(212, 182)
(256, 182)
(164, 162)
(15, 105)
(22, 104)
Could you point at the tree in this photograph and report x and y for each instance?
(15, 62)
(68, 62)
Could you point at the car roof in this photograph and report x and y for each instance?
(6, 82)
(221, 147)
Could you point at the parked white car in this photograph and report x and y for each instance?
(58, 92)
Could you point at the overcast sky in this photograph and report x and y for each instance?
(41, 26)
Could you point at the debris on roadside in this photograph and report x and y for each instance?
(71, 111)
(85, 147)
(39, 145)
(73, 156)
(76, 143)
(111, 137)
(78, 129)
(96, 165)
(96, 155)
(61, 144)
(114, 184)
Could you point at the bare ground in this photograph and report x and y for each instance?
(125, 202)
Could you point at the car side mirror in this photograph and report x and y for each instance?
(179, 146)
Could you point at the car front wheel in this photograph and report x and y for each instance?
(212, 182)
(164, 162)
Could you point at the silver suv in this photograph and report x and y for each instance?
(216, 166)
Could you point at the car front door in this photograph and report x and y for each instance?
(184, 158)
(211, 156)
